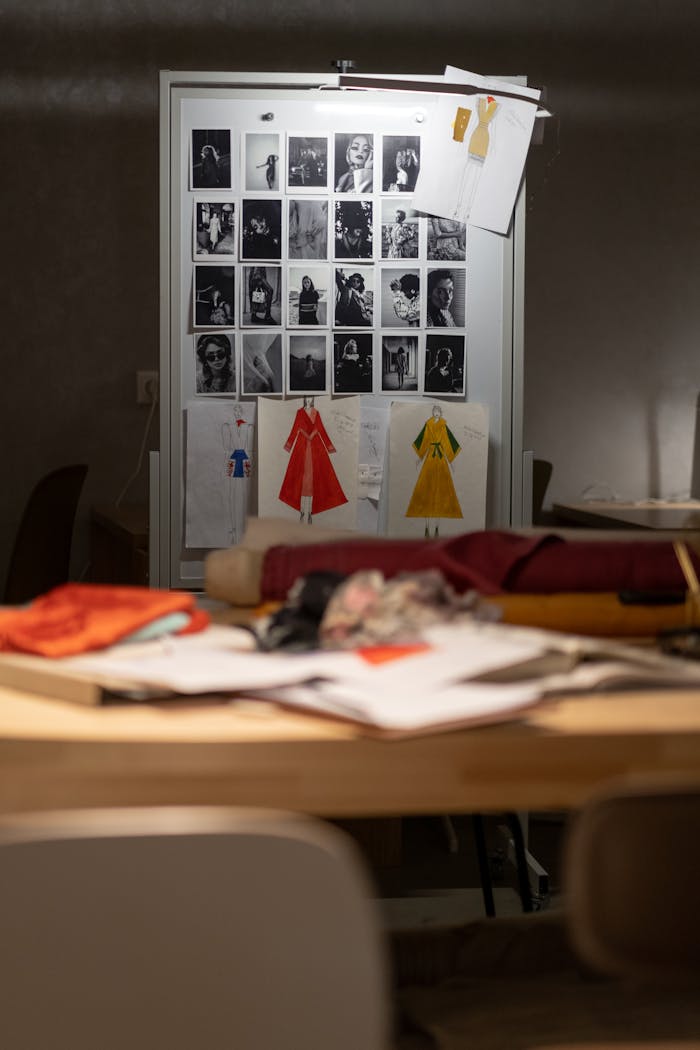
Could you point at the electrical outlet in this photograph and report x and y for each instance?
(146, 387)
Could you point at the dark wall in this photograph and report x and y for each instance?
(612, 309)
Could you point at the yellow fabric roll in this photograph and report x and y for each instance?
(601, 614)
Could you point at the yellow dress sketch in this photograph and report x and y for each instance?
(434, 494)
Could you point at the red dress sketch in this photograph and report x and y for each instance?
(310, 474)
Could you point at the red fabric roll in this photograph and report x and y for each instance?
(489, 561)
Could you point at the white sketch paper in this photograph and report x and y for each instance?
(308, 460)
(455, 182)
(219, 473)
(438, 457)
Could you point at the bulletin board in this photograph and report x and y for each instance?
(275, 193)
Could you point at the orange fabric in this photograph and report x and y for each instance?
(77, 617)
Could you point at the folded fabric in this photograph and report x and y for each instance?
(490, 562)
(77, 617)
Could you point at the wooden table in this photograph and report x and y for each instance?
(609, 514)
(57, 754)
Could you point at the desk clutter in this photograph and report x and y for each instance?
(453, 642)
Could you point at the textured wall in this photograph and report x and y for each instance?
(612, 309)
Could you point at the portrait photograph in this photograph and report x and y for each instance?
(400, 364)
(307, 162)
(215, 363)
(353, 156)
(307, 363)
(214, 296)
(445, 298)
(214, 228)
(447, 239)
(261, 162)
(262, 366)
(211, 159)
(400, 163)
(400, 231)
(261, 295)
(307, 296)
(353, 362)
(353, 229)
(354, 297)
(307, 228)
(445, 371)
(261, 229)
(400, 297)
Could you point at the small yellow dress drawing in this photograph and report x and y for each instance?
(434, 495)
(479, 142)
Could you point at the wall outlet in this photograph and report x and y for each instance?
(146, 388)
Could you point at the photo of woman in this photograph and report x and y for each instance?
(445, 304)
(400, 364)
(400, 230)
(400, 163)
(213, 296)
(214, 228)
(354, 299)
(307, 296)
(261, 295)
(211, 159)
(215, 363)
(354, 163)
(445, 371)
(261, 162)
(400, 291)
(261, 229)
(307, 165)
(354, 225)
(447, 239)
(307, 364)
(352, 363)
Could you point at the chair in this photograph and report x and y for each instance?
(186, 928)
(40, 557)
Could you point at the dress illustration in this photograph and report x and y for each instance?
(310, 483)
(237, 473)
(434, 494)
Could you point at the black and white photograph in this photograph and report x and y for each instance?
(400, 229)
(211, 159)
(214, 228)
(214, 296)
(307, 229)
(261, 296)
(400, 297)
(307, 162)
(447, 239)
(215, 363)
(307, 363)
(446, 298)
(352, 362)
(262, 368)
(400, 364)
(400, 163)
(261, 162)
(354, 229)
(445, 371)
(261, 229)
(354, 162)
(307, 296)
(354, 297)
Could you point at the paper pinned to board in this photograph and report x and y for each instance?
(472, 173)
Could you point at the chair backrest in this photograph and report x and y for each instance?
(191, 929)
(40, 558)
(632, 871)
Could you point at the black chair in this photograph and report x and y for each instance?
(40, 558)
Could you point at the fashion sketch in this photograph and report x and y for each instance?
(236, 439)
(434, 494)
(310, 484)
